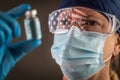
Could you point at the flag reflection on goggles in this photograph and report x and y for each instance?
(61, 21)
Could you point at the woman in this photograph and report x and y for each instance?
(87, 42)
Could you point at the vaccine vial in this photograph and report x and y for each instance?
(32, 25)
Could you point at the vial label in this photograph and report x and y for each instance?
(38, 29)
(35, 29)
(28, 29)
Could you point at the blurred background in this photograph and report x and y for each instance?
(38, 64)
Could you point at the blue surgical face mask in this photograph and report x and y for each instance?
(79, 54)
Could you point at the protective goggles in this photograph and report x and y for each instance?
(61, 21)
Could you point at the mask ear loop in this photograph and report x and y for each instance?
(108, 58)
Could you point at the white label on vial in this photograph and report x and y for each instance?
(38, 28)
(28, 29)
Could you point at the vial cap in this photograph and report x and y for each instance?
(34, 12)
(27, 14)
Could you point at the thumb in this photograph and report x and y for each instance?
(18, 50)
(19, 10)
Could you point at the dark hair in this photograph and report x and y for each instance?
(115, 68)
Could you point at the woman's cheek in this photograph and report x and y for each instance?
(108, 47)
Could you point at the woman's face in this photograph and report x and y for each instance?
(90, 20)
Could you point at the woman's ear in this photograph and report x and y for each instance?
(117, 45)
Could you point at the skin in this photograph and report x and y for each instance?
(111, 46)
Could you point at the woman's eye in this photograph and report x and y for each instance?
(90, 23)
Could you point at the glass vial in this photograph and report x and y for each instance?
(32, 25)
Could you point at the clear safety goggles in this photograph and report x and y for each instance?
(61, 21)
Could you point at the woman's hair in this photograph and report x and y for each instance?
(115, 68)
(115, 65)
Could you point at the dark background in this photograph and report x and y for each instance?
(38, 64)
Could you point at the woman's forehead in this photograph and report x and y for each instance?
(90, 12)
